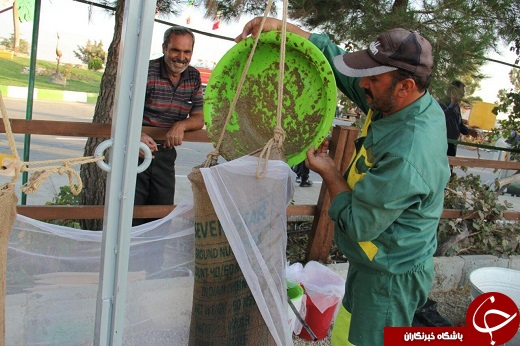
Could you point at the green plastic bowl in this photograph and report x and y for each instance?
(309, 97)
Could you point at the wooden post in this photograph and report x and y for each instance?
(341, 148)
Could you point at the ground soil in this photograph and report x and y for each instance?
(453, 305)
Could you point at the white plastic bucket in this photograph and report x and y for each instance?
(495, 279)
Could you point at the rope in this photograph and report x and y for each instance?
(13, 166)
(278, 131)
(212, 157)
(8, 130)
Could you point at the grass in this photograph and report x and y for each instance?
(12, 74)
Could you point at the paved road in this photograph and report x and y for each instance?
(189, 154)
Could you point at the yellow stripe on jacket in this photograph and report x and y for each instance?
(355, 175)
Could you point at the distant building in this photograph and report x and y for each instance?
(205, 73)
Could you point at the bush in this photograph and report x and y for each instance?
(22, 48)
(95, 64)
(67, 71)
(487, 232)
(65, 197)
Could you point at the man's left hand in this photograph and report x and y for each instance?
(174, 136)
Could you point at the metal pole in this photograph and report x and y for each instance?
(30, 88)
(126, 129)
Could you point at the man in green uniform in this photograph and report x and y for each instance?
(388, 203)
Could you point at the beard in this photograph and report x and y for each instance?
(384, 104)
(174, 67)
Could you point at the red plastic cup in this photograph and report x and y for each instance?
(318, 322)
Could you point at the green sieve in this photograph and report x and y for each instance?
(309, 97)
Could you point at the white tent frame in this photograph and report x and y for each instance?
(132, 72)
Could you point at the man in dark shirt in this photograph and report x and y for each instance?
(173, 100)
(454, 124)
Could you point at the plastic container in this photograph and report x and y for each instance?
(319, 322)
(495, 279)
(309, 98)
(324, 290)
(295, 294)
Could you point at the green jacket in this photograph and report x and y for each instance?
(389, 221)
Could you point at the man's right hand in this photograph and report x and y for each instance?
(474, 133)
(149, 142)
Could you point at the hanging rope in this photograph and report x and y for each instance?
(11, 165)
(279, 133)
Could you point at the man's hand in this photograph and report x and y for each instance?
(474, 133)
(320, 162)
(253, 27)
(175, 135)
(271, 24)
(149, 142)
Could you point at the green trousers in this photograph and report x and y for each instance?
(374, 300)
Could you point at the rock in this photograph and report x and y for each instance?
(58, 78)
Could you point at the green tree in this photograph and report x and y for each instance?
(509, 103)
(514, 77)
(233, 10)
(94, 179)
(22, 12)
(461, 32)
(90, 51)
(23, 46)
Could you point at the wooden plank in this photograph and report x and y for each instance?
(322, 230)
(86, 212)
(468, 162)
(58, 128)
(85, 129)
(69, 212)
(457, 214)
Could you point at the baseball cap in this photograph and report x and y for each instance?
(394, 49)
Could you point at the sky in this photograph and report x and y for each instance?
(70, 20)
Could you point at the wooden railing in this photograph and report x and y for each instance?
(320, 241)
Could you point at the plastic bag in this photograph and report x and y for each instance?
(322, 285)
(324, 290)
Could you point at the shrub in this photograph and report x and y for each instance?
(95, 64)
(487, 232)
(65, 197)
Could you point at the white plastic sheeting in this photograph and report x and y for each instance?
(53, 275)
(252, 212)
(53, 271)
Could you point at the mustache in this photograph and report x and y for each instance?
(180, 61)
(369, 93)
